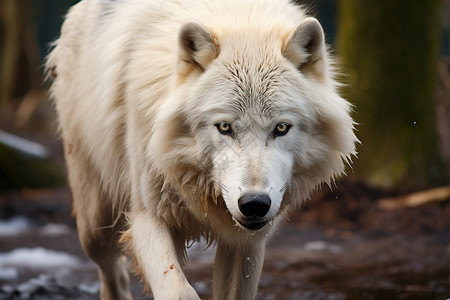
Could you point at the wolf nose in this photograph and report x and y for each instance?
(254, 205)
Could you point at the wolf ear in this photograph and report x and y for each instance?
(197, 45)
(305, 48)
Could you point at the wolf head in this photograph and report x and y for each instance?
(260, 117)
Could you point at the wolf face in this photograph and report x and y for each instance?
(251, 139)
(256, 117)
(266, 123)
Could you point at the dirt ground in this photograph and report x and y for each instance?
(341, 245)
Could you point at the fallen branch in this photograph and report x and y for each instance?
(415, 199)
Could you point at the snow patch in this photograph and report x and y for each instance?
(14, 226)
(23, 145)
(8, 273)
(54, 229)
(90, 288)
(321, 246)
(37, 258)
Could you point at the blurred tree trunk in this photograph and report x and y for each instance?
(19, 57)
(390, 50)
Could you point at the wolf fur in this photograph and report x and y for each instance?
(177, 114)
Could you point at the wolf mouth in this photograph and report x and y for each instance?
(253, 225)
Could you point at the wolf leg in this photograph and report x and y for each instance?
(98, 231)
(237, 269)
(158, 255)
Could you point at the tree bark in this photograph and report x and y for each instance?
(390, 50)
(19, 58)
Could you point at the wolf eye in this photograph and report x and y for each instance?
(224, 128)
(281, 129)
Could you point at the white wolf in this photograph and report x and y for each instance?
(189, 119)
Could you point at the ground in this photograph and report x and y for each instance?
(330, 249)
(341, 245)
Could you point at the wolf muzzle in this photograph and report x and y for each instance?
(254, 207)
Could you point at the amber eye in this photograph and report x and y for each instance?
(224, 128)
(281, 129)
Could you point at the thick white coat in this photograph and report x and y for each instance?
(138, 110)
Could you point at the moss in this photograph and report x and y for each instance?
(18, 170)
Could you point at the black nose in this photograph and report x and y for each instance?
(254, 205)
